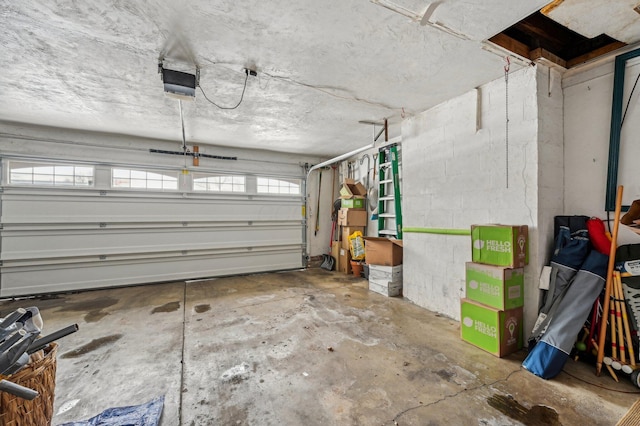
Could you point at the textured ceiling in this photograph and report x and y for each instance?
(616, 18)
(322, 66)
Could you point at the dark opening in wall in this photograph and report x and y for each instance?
(538, 36)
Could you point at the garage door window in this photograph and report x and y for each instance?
(278, 186)
(50, 174)
(218, 183)
(142, 179)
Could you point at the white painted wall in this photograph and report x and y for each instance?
(455, 175)
(551, 175)
(588, 93)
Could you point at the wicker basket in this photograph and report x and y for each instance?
(41, 377)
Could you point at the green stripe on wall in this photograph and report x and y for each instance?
(443, 231)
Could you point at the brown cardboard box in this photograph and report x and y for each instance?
(351, 217)
(345, 261)
(346, 231)
(383, 251)
(352, 189)
(335, 252)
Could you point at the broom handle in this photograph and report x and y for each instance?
(612, 323)
(607, 289)
(609, 369)
(621, 344)
(594, 323)
(625, 320)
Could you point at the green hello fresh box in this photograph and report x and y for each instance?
(497, 332)
(495, 286)
(500, 245)
(352, 203)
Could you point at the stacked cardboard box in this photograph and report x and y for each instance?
(352, 191)
(491, 313)
(386, 280)
(352, 217)
(384, 257)
(344, 262)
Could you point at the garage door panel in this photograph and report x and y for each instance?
(55, 240)
(56, 243)
(25, 280)
(85, 206)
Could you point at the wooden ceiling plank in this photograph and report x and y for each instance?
(545, 54)
(595, 53)
(511, 44)
(548, 8)
(546, 29)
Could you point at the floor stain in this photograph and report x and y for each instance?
(95, 315)
(167, 307)
(445, 375)
(202, 308)
(92, 346)
(538, 415)
(234, 415)
(89, 305)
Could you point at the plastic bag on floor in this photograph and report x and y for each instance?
(137, 415)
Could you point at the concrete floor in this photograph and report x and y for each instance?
(300, 348)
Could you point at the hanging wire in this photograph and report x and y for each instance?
(246, 77)
(629, 100)
(184, 140)
(506, 94)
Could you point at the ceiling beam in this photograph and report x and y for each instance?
(551, 35)
(595, 53)
(541, 53)
(511, 44)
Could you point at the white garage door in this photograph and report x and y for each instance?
(61, 231)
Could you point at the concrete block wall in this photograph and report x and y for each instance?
(455, 175)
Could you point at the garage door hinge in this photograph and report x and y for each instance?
(103, 257)
(103, 224)
(103, 193)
